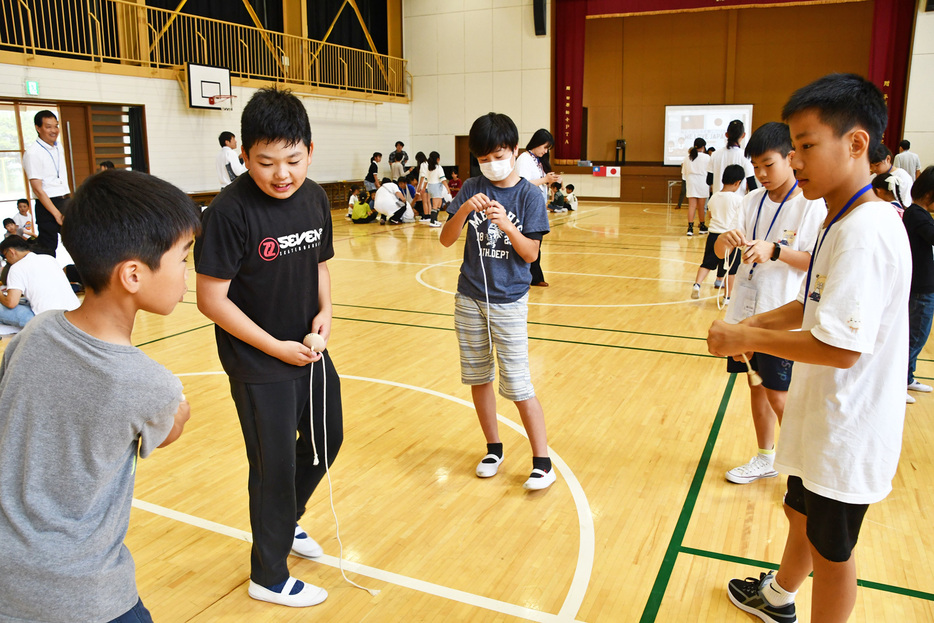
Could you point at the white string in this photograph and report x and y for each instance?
(486, 291)
(725, 282)
(324, 424)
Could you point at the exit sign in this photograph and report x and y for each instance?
(32, 87)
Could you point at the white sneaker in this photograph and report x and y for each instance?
(540, 480)
(435, 224)
(305, 545)
(310, 594)
(488, 469)
(758, 467)
(909, 399)
(918, 386)
(695, 291)
(726, 301)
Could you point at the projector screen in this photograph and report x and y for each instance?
(685, 123)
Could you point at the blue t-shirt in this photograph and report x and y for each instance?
(507, 275)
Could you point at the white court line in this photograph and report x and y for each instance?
(586, 551)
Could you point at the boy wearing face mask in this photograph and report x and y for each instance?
(506, 219)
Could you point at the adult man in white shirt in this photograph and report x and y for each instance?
(44, 162)
(38, 278)
(229, 165)
(907, 161)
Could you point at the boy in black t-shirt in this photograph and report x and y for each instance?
(263, 279)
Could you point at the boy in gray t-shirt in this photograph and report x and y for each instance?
(69, 443)
(505, 219)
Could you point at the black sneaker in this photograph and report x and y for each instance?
(690, 229)
(702, 229)
(747, 596)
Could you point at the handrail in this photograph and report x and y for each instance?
(127, 33)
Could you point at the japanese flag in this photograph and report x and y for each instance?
(606, 171)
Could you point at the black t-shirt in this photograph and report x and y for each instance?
(920, 228)
(269, 249)
(372, 173)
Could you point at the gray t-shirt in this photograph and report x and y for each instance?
(507, 275)
(73, 411)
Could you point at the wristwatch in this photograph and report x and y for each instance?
(776, 252)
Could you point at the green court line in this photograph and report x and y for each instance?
(166, 337)
(878, 586)
(540, 324)
(539, 339)
(677, 538)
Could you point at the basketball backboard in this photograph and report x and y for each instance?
(205, 84)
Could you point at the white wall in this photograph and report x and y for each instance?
(919, 120)
(471, 57)
(183, 141)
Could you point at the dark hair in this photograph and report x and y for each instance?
(733, 174)
(420, 159)
(354, 188)
(879, 153)
(570, 187)
(844, 102)
(107, 164)
(14, 242)
(116, 216)
(385, 180)
(19, 201)
(881, 182)
(402, 181)
(274, 115)
(541, 137)
(490, 132)
(41, 115)
(556, 185)
(923, 187)
(375, 155)
(711, 149)
(400, 144)
(771, 136)
(433, 159)
(699, 144)
(224, 137)
(8, 221)
(734, 133)
(906, 145)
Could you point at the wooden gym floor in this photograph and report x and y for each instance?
(642, 424)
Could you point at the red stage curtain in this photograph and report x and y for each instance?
(569, 78)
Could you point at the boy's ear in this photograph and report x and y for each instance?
(311, 148)
(859, 143)
(127, 276)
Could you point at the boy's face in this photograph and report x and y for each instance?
(772, 170)
(277, 168)
(23, 208)
(10, 227)
(232, 143)
(823, 161)
(164, 287)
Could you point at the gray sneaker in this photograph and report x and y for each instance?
(747, 596)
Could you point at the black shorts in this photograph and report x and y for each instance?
(832, 526)
(775, 371)
(712, 262)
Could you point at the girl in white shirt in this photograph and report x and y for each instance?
(436, 184)
(698, 190)
(532, 164)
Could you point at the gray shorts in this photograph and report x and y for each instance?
(436, 190)
(509, 328)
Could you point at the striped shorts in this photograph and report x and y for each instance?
(508, 326)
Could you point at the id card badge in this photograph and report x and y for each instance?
(788, 238)
(745, 300)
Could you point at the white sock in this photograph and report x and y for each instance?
(776, 595)
(768, 454)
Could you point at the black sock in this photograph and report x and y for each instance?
(541, 462)
(434, 218)
(493, 448)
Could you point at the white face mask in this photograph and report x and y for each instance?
(497, 170)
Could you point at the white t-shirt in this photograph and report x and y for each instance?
(47, 163)
(23, 223)
(908, 161)
(227, 156)
(697, 175)
(42, 281)
(722, 159)
(386, 202)
(774, 283)
(724, 208)
(529, 167)
(842, 429)
(434, 177)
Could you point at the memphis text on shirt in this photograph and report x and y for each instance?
(271, 248)
(493, 234)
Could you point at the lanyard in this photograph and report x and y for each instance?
(56, 164)
(820, 243)
(774, 218)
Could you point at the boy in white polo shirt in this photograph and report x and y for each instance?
(777, 229)
(841, 436)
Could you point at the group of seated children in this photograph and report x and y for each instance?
(394, 202)
(560, 201)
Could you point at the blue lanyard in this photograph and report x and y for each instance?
(820, 243)
(774, 218)
(57, 165)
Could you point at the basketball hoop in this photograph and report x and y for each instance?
(217, 99)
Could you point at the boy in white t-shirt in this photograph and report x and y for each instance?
(777, 229)
(842, 431)
(570, 199)
(723, 208)
(23, 219)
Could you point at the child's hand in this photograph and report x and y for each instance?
(725, 340)
(733, 238)
(477, 203)
(294, 353)
(758, 251)
(497, 215)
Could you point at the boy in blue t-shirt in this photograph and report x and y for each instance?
(506, 219)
